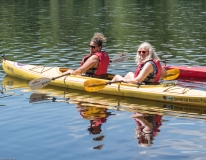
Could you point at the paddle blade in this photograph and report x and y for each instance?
(120, 58)
(93, 85)
(39, 83)
(171, 74)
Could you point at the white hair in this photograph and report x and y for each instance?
(152, 55)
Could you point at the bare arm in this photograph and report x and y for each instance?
(147, 69)
(93, 61)
(164, 72)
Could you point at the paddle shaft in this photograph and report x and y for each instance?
(103, 83)
(60, 76)
(41, 82)
(92, 85)
(120, 58)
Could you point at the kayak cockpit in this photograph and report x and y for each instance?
(62, 70)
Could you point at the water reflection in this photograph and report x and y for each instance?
(148, 121)
(96, 116)
(147, 127)
(4, 93)
(37, 97)
(118, 103)
(96, 109)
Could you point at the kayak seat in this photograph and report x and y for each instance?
(62, 70)
(110, 76)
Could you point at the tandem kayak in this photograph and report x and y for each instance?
(186, 72)
(98, 100)
(165, 91)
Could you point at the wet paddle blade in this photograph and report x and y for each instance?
(39, 83)
(92, 85)
(171, 74)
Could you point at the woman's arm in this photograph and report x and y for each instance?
(93, 61)
(164, 72)
(147, 69)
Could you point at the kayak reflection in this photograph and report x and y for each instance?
(96, 108)
(96, 115)
(10, 83)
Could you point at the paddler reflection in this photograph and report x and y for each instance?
(96, 116)
(147, 127)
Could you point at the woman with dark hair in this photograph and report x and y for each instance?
(96, 63)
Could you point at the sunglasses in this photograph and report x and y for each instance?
(142, 52)
(90, 46)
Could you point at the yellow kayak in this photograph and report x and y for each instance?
(95, 102)
(164, 92)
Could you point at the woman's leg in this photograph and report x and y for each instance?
(129, 75)
(117, 78)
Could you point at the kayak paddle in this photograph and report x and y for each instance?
(42, 82)
(92, 85)
(171, 74)
(121, 57)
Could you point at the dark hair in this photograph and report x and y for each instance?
(98, 38)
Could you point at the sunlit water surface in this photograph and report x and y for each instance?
(56, 33)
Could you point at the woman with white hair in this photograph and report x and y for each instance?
(149, 68)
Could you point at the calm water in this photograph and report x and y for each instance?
(52, 123)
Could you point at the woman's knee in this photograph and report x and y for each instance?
(117, 78)
(129, 75)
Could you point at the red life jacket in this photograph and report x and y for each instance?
(159, 69)
(102, 66)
